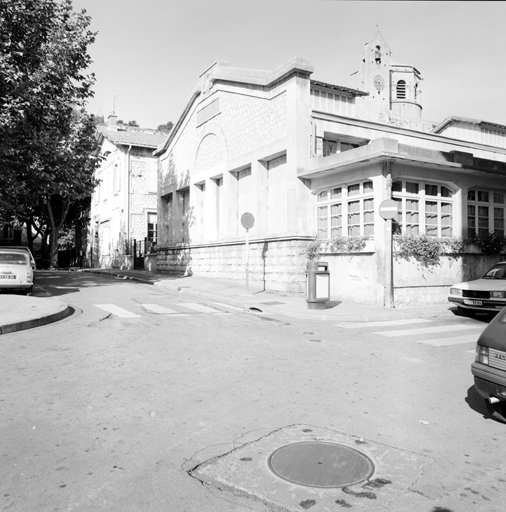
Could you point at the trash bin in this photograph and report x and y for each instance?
(317, 284)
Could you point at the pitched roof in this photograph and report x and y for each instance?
(142, 137)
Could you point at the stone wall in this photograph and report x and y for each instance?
(275, 265)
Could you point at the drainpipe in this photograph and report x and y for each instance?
(128, 197)
(389, 274)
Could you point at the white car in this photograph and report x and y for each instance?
(16, 272)
(485, 294)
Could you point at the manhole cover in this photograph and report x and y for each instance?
(321, 464)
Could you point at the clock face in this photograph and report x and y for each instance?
(379, 83)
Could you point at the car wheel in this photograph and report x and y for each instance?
(29, 291)
(497, 411)
(464, 311)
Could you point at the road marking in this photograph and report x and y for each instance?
(446, 342)
(428, 330)
(155, 308)
(223, 305)
(198, 307)
(386, 323)
(116, 310)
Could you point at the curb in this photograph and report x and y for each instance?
(35, 322)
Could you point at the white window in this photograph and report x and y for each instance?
(346, 211)
(485, 212)
(424, 208)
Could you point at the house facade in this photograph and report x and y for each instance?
(123, 212)
(311, 160)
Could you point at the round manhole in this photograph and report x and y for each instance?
(321, 464)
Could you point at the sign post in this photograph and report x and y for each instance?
(388, 209)
(247, 222)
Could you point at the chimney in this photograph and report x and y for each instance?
(111, 121)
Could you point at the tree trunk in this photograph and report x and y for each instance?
(55, 225)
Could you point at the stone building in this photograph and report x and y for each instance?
(124, 205)
(311, 160)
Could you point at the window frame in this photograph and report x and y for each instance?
(492, 204)
(418, 223)
(335, 217)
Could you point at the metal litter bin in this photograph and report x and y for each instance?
(317, 284)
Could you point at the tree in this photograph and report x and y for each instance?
(47, 140)
(167, 127)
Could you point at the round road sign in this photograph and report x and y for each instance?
(247, 220)
(388, 209)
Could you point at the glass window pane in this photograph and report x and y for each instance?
(353, 190)
(471, 210)
(368, 204)
(354, 206)
(336, 231)
(322, 196)
(369, 230)
(368, 187)
(430, 190)
(446, 192)
(471, 195)
(322, 211)
(482, 196)
(412, 188)
(354, 231)
(412, 204)
(336, 193)
(431, 207)
(498, 198)
(336, 209)
(483, 211)
(397, 186)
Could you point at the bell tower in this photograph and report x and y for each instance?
(394, 89)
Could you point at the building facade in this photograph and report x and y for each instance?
(124, 204)
(311, 160)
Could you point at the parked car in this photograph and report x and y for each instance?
(23, 248)
(485, 294)
(16, 272)
(489, 368)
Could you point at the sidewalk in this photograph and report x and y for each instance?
(234, 293)
(18, 312)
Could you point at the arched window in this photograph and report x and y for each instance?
(401, 90)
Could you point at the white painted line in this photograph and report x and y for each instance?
(228, 306)
(386, 323)
(155, 308)
(428, 330)
(116, 310)
(446, 342)
(198, 307)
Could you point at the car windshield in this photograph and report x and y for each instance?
(12, 258)
(496, 272)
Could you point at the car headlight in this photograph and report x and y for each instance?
(498, 295)
(456, 291)
(481, 354)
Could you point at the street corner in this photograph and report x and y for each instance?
(19, 312)
(307, 467)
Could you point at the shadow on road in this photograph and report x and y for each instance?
(58, 283)
(476, 402)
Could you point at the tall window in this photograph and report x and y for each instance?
(423, 208)
(346, 211)
(152, 223)
(401, 90)
(485, 212)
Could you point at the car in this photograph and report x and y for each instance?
(23, 248)
(489, 367)
(485, 294)
(16, 271)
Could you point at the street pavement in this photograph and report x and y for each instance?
(19, 312)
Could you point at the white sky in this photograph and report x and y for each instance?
(150, 53)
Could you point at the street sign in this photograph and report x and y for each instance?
(247, 220)
(388, 209)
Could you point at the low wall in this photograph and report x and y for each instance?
(274, 264)
(415, 284)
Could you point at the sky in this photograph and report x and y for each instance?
(148, 54)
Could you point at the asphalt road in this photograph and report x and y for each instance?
(115, 408)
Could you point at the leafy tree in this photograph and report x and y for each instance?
(167, 127)
(133, 123)
(47, 156)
